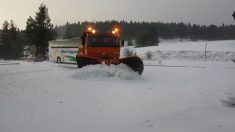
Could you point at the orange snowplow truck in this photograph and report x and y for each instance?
(104, 48)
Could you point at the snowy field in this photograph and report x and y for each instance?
(215, 50)
(171, 96)
(225, 45)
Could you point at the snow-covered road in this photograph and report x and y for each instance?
(46, 97)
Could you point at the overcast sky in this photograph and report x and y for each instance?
(193, 11)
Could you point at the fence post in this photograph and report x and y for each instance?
(205, 50)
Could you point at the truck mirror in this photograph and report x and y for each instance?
(234, 15)
(122, 43)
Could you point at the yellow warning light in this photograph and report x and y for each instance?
(89, 29)
(93, 31)
(113, 32)
(116, 29)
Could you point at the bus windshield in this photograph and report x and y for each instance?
(103, 41)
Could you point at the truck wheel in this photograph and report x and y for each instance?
(84, 61)
(58, 60)
(80, 62)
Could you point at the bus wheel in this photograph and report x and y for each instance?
(58, 60)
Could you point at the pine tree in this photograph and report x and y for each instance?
(5, 40)
(12, 46)
(39, 30)
(15, 41)
(149, 38)
(68, 33)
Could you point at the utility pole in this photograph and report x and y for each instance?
(205, 50)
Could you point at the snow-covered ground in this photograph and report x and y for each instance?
(171, 96)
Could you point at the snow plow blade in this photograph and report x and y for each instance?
(135, 63)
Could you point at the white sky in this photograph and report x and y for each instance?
(61, 11)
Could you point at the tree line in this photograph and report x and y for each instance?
(145, 33)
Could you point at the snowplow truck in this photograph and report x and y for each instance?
(104, 48)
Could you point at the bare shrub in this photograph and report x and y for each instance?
(149, 55)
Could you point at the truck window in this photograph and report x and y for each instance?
(102, 41)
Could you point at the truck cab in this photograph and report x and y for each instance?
(101, 45)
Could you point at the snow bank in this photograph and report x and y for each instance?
(121, 71)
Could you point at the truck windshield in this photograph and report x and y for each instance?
(103, 41)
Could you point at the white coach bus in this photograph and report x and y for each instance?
(64, 51)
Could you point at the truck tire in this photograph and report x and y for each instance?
(58, 60)
(80, 62)
(84, 61)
